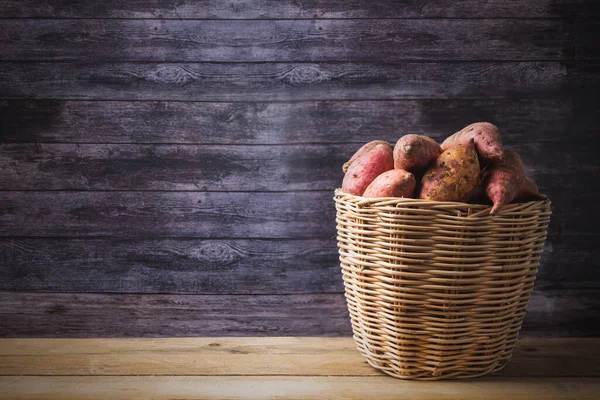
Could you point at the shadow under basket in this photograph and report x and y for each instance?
(437, 290)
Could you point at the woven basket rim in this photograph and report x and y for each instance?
(471, 210)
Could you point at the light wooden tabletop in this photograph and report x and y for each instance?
(276, 367)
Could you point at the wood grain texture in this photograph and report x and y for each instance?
(553, 357)
(193, 266)
(218, 356)
(140, 315)
(232, 266)
(551, 313)
(265, 356)
(170, 164)
(293, 82)
(520, 120)
(178, 214)
(269, 215)
(171, 167)
(260, 388)
(313, 9)
(236, 167)
(289, 41)
(185, 266)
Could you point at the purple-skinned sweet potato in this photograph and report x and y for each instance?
(504, 180)
(488, 142)
(364, 169)
(392, 183)
(414, 153)
(453, 176)
(362, 151)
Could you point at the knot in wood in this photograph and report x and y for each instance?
(216, 253)
(172, 75)
(305, 75)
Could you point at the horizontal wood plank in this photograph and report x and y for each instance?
(171, 167)
(234, 266)
(25, 314)
(237, 167)
(520, 120)
(317, 9)
(182, 214)
(293, 356)
(170, 266)
(554, 357)
(289, 41)
(293, 82)
(211, 387)
(551, 313)
(269, 215)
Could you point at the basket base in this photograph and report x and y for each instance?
(431, 375)
(455, 376)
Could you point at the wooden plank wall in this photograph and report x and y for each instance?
(167, 167)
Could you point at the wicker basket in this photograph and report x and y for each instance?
(437, 290)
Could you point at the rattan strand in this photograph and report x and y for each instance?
(437, 290)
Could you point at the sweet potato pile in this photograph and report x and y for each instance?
(470, 166)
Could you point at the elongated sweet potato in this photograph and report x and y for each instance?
(366, 168)
(415, 152)
(362, 151)
(488, 142)
(453, 176)
(392, 183)
(504, 180)
(478, 195)
(529, 191)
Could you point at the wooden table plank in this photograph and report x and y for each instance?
(293, 356)
(214, 387)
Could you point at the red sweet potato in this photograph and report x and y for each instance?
(362, 151)
(364, 169)
(529, 191)
(504, 180)
(478, 194)
(392, 183)
(453, 176)
(488, 142)
(415, 152)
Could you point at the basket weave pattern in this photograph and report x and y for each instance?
(437, 290)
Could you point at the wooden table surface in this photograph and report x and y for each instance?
(276, 367)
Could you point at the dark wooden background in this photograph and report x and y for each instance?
(167, 167)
